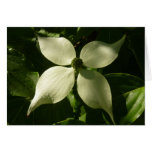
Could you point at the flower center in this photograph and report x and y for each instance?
(76, 64)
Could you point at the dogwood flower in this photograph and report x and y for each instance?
(56, 82)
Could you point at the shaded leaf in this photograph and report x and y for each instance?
(22, 83)
(71, 121)
(15, 61)
(121, 83)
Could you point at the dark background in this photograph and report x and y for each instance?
(25, 62)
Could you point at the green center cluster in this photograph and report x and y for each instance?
(77, 64)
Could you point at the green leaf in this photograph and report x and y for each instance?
(71, 121)
(86, 114)
(83, 117)
(76, 103)
(73, 101)
(140, 120)
(43, 32)
(15, 61)
(121, 84)
(22, 83)
(135, 102)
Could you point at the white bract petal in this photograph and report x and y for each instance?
(53, 86)
(97, 54)
(58, 50)
(95, 91)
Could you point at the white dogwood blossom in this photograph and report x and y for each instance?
(56, 82)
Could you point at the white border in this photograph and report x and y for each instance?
(74, 13)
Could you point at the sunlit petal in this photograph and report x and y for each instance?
(97, 54)
(94, 90)
(58, 50)
(53, 86)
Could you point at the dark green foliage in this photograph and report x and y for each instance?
(46, 114)
(122, 85)
(125, 75)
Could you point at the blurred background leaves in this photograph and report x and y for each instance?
(25, 64)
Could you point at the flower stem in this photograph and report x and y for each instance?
(77, 106)
(75, 100)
